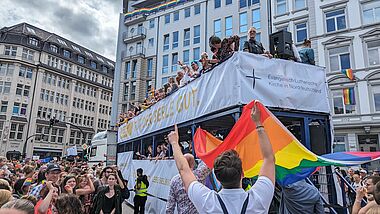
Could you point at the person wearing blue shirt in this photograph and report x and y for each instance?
(307, 53)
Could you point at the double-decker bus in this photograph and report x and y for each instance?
(296, 93)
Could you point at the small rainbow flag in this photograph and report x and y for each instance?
(294, 162)
(349, 96)
(349, 73)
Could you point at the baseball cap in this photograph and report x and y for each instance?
(363, 171)
(53, 167)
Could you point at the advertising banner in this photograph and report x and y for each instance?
(159, 174)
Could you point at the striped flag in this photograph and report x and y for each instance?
(294, 162)
(349, 96)
(349, 73)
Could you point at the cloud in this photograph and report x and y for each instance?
(89, 23)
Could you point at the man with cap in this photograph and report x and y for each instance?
(52, 174)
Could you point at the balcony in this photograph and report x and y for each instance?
(133, 52)
(145, 3)
(134, 19)
(135, 35)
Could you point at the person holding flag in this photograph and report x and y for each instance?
(229, 171)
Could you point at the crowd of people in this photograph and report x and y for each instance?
(60, 187)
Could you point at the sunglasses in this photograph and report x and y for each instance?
(109, 171)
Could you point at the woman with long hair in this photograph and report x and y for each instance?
(69, 184)
(84, 190)
(68, 204)
(109, 200)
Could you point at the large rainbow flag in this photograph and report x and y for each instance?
(294, 162)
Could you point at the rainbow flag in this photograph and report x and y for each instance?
(349, 96)
(349, 73)
(294, 162)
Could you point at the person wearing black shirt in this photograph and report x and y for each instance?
(254, 46)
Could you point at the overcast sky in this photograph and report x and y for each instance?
(89, 23)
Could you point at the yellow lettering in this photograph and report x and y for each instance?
(186, 101)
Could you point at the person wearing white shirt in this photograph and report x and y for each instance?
(229, 172)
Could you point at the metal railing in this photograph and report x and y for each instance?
(140, 32)
(136, 51)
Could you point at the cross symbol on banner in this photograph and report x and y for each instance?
(254, 78)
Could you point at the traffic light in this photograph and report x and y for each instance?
(53, 121)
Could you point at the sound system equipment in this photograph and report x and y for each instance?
(281, 44)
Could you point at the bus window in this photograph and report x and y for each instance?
(93, 151)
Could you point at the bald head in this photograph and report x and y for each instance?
(190, 160)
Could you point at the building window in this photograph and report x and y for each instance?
(281, 7)
(242, 3)
(196, 54)
(164, 80)
(19, 89)
(217, 3)
(186, 37)
(5, 87)
(126, 88)
(243, 22)
(81, 59)
(371, 12)
(176, 16)
(16, 131)
(148, 87)
(175, 39)
(335, 20)
(16, 109)
(127, 70)
(197, 34)
(256, 18)
(339, 58)
(167, 18)
(186, 57)
(339, 106)
(33, 41)
(197, 9)
(228, 2)
(25, 72)
(93, 64)
(66, 53)
(134, 69)
(4, 106)
(174, 62)
(133, 91)
(150, 67)
(373, 53)
(300, 4)
(27, 54)
(376, 99)
(54, 48)
(243, 39)
(301, 33)
(228, 31)
(339, 143)
(166, 42)
(187, 12)
(150, 42)
(10, 50)
(217, 28)
(26, 91)
(165, 64)
(151, 23)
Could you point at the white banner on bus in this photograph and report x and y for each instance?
(239, 80)
(159, 175)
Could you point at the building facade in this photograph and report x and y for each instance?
(344, 35)
(45, 76)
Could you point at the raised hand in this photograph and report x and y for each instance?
(173, 136)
